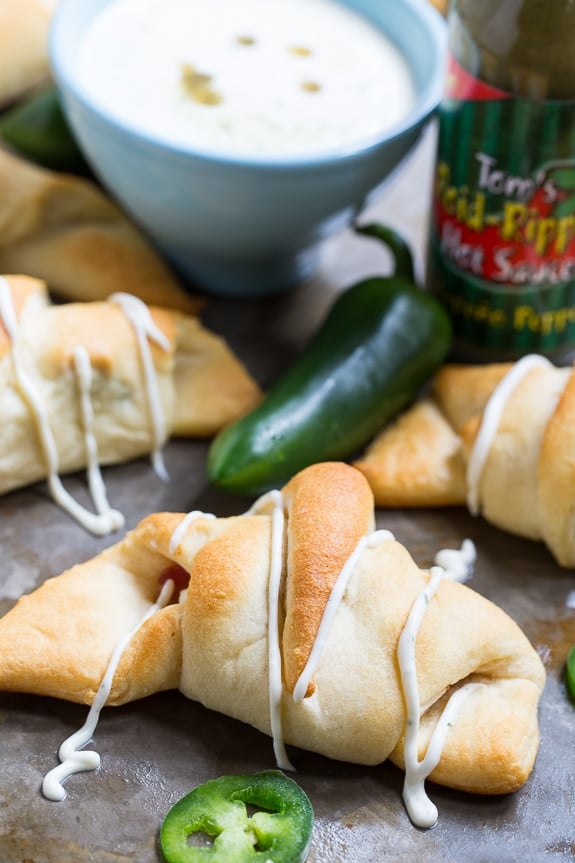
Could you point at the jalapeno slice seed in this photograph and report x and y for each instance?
(247, 818)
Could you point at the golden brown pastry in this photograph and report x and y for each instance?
(498, 437)
(118, 372)
(416, 461)
(23, 46)
(66, 231)
(219, 644)
(440, 5)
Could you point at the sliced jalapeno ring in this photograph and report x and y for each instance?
(570, 672)
(225, 830)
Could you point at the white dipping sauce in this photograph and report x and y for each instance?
(271, 77)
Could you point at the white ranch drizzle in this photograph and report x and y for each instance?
(182, 528)
(421, 810)
(490, 422)
(72, 759)
(99, 524)
(111, 519)
(274, 651)
(145, 329)
(330, 611)
(458, 563)
(275, 498)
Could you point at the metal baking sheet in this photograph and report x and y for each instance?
(155, 750)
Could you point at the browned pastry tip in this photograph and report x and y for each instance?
(416, 461)
(462, 391)
(329, 508)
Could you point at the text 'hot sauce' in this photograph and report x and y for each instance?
(502, 245)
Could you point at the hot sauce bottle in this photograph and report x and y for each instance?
(502, 243)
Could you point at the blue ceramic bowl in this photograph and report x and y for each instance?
(238, 225)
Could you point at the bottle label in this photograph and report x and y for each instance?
(502, 254)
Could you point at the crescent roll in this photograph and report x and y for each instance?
(499, 438)
(109, 380)
(300, 619)
(64, 230)
(24, 60)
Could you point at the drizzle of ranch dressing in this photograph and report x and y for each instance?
(458, 563)
(110, 519)
(106, 519)
(421, 810)
(182, 528)
(146, 330)
(274, 651)
(330, 611)
(275, 499)
(72, 759)
(490, 423)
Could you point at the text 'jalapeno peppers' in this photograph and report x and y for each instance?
(380, 343)
(278, 831)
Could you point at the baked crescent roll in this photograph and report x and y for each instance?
(23, 46)
(105, 382)
(498, 437)
(65, 230)
(301, 620)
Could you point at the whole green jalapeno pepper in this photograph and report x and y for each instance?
(279, 831)
(379, 344)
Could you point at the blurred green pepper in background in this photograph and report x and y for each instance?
(37, 129)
